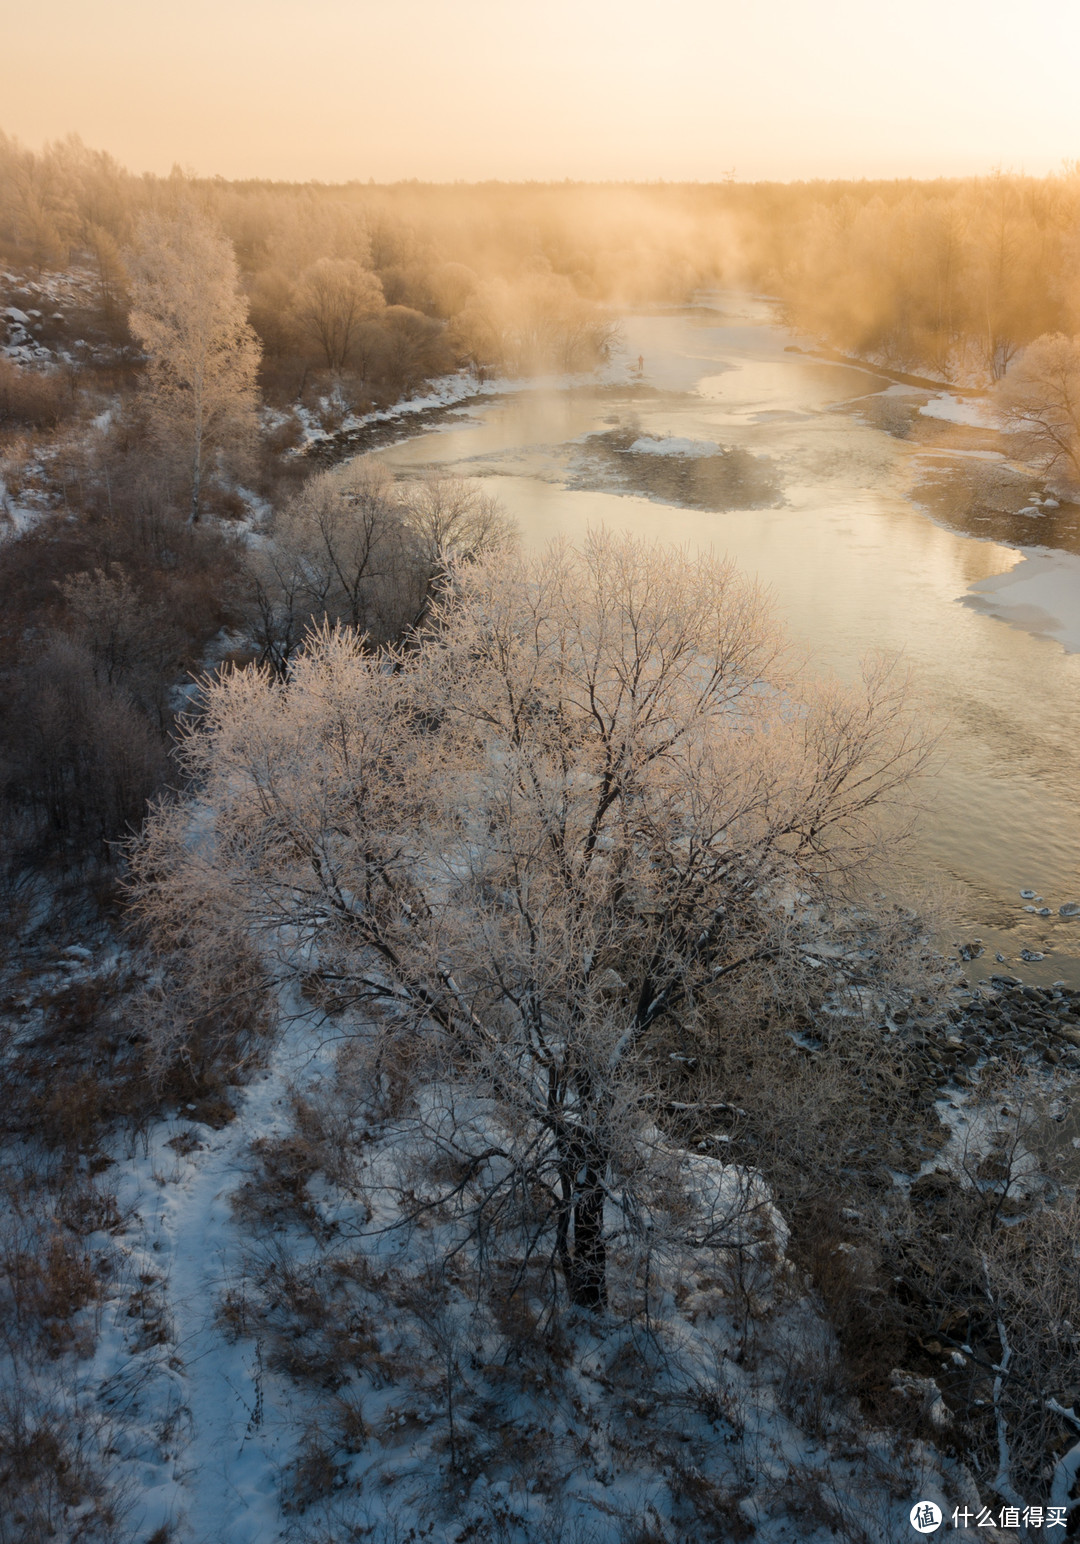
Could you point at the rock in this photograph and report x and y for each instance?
(1000, 958)
(1031, 955)
(1070, 909)
(1044, 911)
(1028, 895)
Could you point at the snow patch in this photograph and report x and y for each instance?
(976, 413)
(672, 445)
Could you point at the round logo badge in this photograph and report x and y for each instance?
(925, 1517)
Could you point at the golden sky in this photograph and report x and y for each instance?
(623, 89)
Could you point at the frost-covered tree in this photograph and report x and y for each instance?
(577, 808)
(1039, 400)
(453, 520)
(191, 318)
(335, 296)
(354, 547)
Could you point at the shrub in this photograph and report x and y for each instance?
(31, 399)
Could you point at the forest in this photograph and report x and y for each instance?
(337, 301)
(543, 899)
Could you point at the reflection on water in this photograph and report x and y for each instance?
(852, 563)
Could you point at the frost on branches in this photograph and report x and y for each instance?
(567, 833)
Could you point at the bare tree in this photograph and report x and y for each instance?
(131, 641)
(202, 356)
(1039, 400)
(588, 798)
(454, 520)
(335, 296)
(537, 322)
(339, 554)
(357, 549)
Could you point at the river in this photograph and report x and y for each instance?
(869, 523)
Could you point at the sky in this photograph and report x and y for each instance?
(443, 90)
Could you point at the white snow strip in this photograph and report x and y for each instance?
(202, 1446)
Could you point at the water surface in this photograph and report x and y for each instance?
(807, 474)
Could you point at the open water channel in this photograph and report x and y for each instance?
(873, 525)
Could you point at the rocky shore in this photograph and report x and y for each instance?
(996, 1027)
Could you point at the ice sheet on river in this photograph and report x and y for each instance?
(1041, 595)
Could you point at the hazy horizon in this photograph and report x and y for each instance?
(586, 92)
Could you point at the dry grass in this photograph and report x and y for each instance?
(51, 1477)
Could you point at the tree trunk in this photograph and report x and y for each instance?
(196, 480)
(588, 1264)
(197, 460)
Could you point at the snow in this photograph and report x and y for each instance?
(457, 390)
(204, 1427)
(444, 391)
(976, 413)
(18, 518)
(672, 445)
(207, 1432)
(953, 453)
(1041, 595)
(197, 1449)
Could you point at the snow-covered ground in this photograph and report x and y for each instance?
(975, 412)
(43, 301)
(15, 515)
(713, 1411)
(202, 1450)
(459, 388)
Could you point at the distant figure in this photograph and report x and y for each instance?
(640, 363)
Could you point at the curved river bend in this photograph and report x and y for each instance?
(796, 469)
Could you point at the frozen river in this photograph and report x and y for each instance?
(806, 473)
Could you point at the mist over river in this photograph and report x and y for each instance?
(869, 523)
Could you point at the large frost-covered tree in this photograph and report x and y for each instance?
(549, 833)
(191, 318)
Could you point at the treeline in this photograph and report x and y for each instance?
(386, 284)
(336, 299)
(954, 277)
(365, 291)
